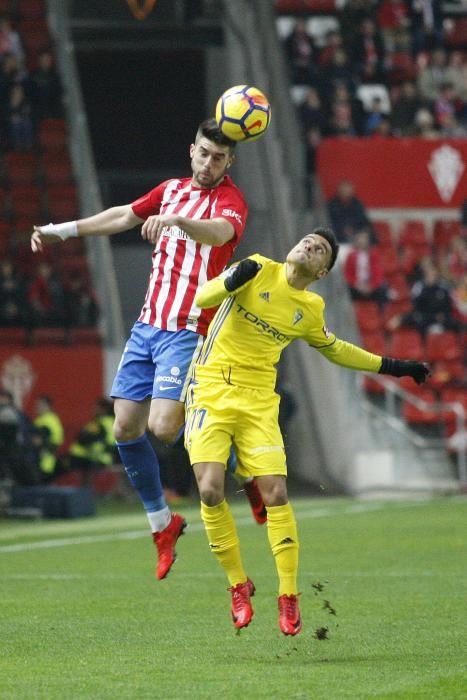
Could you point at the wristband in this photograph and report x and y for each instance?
(69, 229)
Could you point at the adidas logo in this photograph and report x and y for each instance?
(265, 296)
(287, 540)
(214, 546)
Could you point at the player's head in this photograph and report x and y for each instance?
(211, 154)
(315, 254)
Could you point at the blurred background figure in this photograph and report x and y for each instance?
(48, 437)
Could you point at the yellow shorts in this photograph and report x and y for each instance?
(220, 415)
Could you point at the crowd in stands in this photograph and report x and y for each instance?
(36, 183)
(34, 449)
(384, 68)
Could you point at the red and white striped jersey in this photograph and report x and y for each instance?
(180, 265)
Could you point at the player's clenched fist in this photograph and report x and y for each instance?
(241, 273)
(52, 233)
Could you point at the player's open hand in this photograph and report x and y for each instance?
(154, 226)
(40, 238)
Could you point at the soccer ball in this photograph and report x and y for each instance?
(243, 113)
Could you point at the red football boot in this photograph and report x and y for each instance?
(258, 508)
(165, 542)
(242, 612)
(290, 621)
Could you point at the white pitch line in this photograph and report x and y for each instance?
(353, 509)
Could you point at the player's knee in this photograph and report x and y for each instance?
(275, 493)
(164, 428)
(125, 430)
(210, 493)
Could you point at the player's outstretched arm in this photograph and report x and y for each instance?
(214, 292)
(105, 223)
(419, 371)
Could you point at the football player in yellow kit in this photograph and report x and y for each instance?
(264, 306)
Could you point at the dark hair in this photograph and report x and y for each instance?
(210, 130)
(328, 234)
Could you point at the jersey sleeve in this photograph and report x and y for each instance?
(231, 206)
(149, 203)
(351, 356)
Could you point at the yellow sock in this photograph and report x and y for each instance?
(223, 540)
(283, 538)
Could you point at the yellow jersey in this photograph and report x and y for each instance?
(254, 324)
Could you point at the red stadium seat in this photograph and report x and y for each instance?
(31, 9)
(21, 168)
(399, 287)
(402, 67)
(406, 344)
(395, 308)
(26, 200)
(374, 342)
(443, 346)
(57, 170)
(384, 234)
(444, 232)
(413, 414)
(445, 372)
(308, 6)
(368, 315)
(62, 202)
(413, 234)
(391, 262)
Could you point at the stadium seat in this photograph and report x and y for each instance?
(402, 67)
(62, 202)
(391, 262)
(406, 344)
(72, 264)
(374, 342)
(21, 168)
(57, 170)
(446, 372)
(456, 36)
(399, 287)
(368, 315)
(308, 6)
(417, 415)
(410, 256)
(413, 234)
(444, 232)
(383, 233)
(31, 9)
(443, 346)
(395, 308)
(53, 135)
(26, 200)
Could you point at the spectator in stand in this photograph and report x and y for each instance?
(338, 71)
(310, 110)
(363, 270)
(333, 41)
(10, 41)
(341, 95)
(456, 74)
(340, 119)
(18, 458)
(46, 88)
(447, 104)
(46, 300)
(374, 117)
(393, 19)
(301, 54)
(459, 302)
(368, 53)
(432, 305)
(425, 125)
(404, 109)
(432, 76)
(452, 128)
(12, 295)
(48, 436)
(383, 128)
(350, 19)
(19, 120)
(347, 213)
(11, 74)
(426, 21)
(81, 308)
(94, 446)
(453, 264)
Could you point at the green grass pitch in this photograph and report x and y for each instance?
(83, 617)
